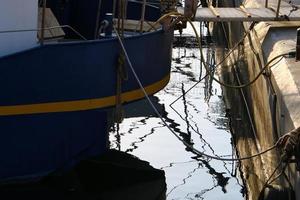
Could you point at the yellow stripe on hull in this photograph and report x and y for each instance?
(79, 105)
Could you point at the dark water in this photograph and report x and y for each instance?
(200, 122)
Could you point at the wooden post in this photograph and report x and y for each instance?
(143, 16)
(97, 19)
(266, 3)
(278, 8)
(43, 22)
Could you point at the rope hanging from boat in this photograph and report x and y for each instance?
(121, 74)
(194, 150)
(120, 78)
(119, 112)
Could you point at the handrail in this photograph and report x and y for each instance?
(150, 4)
(47, 28)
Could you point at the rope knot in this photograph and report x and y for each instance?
(122, 68)
(289, 143)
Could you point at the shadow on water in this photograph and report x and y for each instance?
(112, 176)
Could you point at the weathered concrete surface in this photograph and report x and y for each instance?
(273, 100)
(285, 77)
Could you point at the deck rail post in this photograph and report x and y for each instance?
(143, 16)
(278, 9)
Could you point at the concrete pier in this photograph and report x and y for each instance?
(268, 108)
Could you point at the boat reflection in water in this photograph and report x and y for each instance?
(113, 176)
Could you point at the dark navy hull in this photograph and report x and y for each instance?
(53, 99)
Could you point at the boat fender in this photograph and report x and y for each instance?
(103, 25)
(276, 192)
(106, 26)
(190, 8)
(108, 30)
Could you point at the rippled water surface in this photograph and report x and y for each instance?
(199, 122)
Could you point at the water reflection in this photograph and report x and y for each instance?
(200, 123)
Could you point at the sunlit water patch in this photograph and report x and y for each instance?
(201, 123)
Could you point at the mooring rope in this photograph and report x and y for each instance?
(231, 51)
(194, 150)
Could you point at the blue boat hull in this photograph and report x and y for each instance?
(54, 98)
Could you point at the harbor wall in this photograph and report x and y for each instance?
(268, 108)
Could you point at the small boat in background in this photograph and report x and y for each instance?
(62, 69)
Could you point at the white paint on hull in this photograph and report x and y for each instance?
(18, 15)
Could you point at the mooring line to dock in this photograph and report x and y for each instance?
(175, 13)
(228, 85)
(194, 150)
